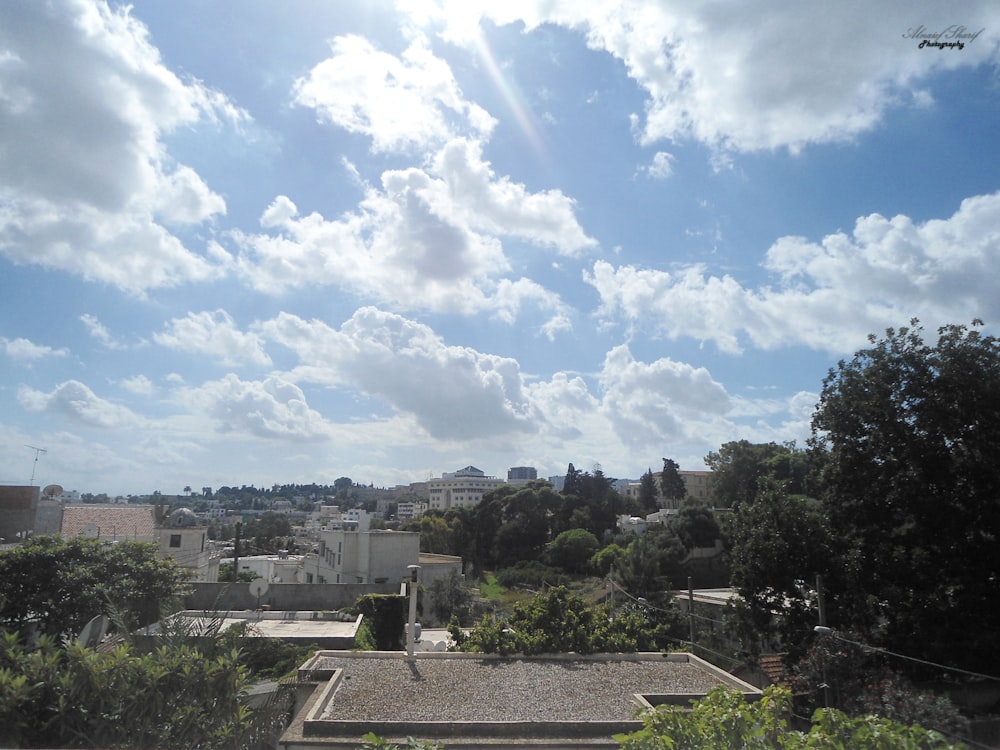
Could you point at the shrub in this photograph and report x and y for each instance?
(725, 719)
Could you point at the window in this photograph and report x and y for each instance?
(175, 540)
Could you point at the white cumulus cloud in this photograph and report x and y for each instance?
(214, 334)
(401, 103)
(76, 401)
(453, 392)
(23, 350)
(273, 408)
(827, 295)
(88, 186)
(750, 76)
(429, 239)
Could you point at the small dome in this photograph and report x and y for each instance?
(181, 518)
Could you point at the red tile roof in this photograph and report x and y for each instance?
(773, 666)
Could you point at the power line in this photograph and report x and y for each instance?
(823, 630)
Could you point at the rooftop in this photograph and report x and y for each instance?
(330, 629)
(114, 521)
(487, 701)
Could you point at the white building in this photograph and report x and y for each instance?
(364, 556)
(182, 537)
(406, 511)
(280, 568)
(463, 487)
(357, 519)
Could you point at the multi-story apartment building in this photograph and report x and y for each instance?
(365, 556)
(696, 484)
(406, 511)
(463, 487)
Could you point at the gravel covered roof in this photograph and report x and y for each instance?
(494, 689)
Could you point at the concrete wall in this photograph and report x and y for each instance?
(49, 517)
(18, 506)
(282, 596)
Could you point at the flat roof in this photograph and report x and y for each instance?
(307, 626)
(484, 699)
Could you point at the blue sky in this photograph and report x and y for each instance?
(255, 242)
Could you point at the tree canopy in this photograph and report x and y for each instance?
(61, 585)
(739, 468)
(780, 542)
(559, 621)
(906, 435)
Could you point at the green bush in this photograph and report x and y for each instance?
(531, 573)
(724, 719)
(560, 622)
(386, 618)
(174, 696)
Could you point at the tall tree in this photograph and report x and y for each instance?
(908, 432)
(512, 524)
(672, 486)
(780, 543)
(695, 525)
(651, 566)
(571, 484)
(648, 495)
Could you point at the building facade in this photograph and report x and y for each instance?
(364, 556)
(521, 475)
(463, 487)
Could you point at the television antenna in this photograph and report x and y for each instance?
(34, 465)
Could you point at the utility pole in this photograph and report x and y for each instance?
(236, 552)
(611, 588)
(691, 613)
(821, 603)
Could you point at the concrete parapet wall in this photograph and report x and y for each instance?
(213, 597)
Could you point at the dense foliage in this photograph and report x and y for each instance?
(61, 585)
(859, 681)
(385, 618)
(572, 550)
(175, 696)
(723, 719)
(450, 597)
(779, 543)
(741, 469)
(906, 434)
(560, 622)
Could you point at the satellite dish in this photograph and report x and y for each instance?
(93, 632)
(53, 490)
(258, 586)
